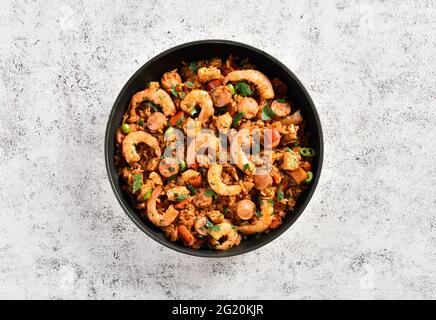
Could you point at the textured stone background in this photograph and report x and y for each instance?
(369, 231)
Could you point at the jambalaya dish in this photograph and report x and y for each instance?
(214, 153)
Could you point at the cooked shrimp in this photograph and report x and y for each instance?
(200, 142)
(216, 183)
(134, 138)
(262, 223)
(238, 155)
(156, 96)
(170, 79)
(261, 81)
(208, 74)
(160, 219)
(223, 230)
(200, 98)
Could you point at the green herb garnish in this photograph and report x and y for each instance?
(280, 194)
(194, 112)
(238, 117)
(211, 226)
(243, 89)
(147, 195)
(181, 197)
(259, 213)
(220, 111)
(193, 67)
(209, 193)
(282, 100)
(267, 113)
(174, 91)
(137, 182)
(140, 122)
(191, 188)
(189, 84)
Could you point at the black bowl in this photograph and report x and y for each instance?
(171, 59)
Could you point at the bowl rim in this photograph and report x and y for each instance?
(177, 247)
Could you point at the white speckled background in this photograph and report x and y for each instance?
(370, 229)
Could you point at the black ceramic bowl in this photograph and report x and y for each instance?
(171, 59)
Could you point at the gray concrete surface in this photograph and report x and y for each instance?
(369, 231)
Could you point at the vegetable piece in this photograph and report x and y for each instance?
(177, 119)
(195, 111)
(191, 188)
(147, 195)
(186, 235)
(137, 182)
(309, 177)
(211, 226)
(182, 165)
(125, 128)
(181, 204)
(280, 194)
(193, 66)
(173, 91)
(140, 122)
(196, 182)
(243, 89)
(237, 118)
(209, 193)
(231, 87)
(181, 197)
(307, 152)
(267, 113)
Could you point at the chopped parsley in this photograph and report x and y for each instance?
(280, 194)
(190, 84)
(182, 95)
(282, 100)
(193, 67)
(137, 182)
(238, 117)
(195, 111)
(243, 89)
(147, 195)
(174, 91)
(191, 188)
(259, 213)
(140, 122)
(181, 197)
(153, 106)
(211, 226)
(209, 193)
(246, 167)
(220, 111)
(267, 113)
(180, 120)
